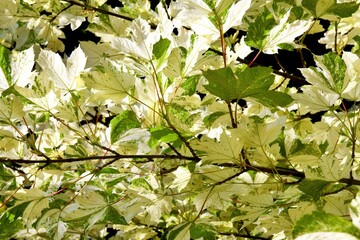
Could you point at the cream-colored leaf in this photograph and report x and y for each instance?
(227, 150)
(236, 14)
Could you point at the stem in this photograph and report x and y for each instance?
(233, 122)
(256, 56)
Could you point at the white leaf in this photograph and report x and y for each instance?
(227, 150)
(260, 134)
(11, 109)
(22, 64)
(127, 46)
(54, 67)
(284, 32)
(76, 63)
(108, 82)
(236, 14)
(68, 18)
(315, 100)
(182, 178)
(38, 202)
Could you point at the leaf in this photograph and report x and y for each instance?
(5, 65)
(189, 85)
(284, 33)
(11, 222)
(227, 150)
(259, 29)
(163, 134)
(121, 123)
(108, 82)
(318, 7)
(180, 232)
(11, 108)
(38, 201)
(260, 134)
(319, 221)
(112, 216)
(55, 69)
(235, 14)
(267, 35)
(344, 10)
(316, 100)
(273, 98)
(354, 210)
(51, 221)
(22, 65)
(313, 189)
(202, 230)
(222, 83)
(326, 236)
(160, 48)
(211, 118)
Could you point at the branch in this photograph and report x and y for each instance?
(99, 10)
(116, 157)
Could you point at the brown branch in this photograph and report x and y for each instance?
(99, 10)
(117, 157)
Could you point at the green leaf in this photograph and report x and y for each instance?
(113, 216)
(5, 65)
(161, 47)
(222, 83)
(10, 222)
(273, 99)
(337, 68)
(180, 232)
(121, 123)
(202, 230)
(189, 85)
(313, 189)
(163, 134)
(344, 10)
(251, 82)
(319, 221)
(354, 210)
(259, 29)
(318, 8)
(254, 80)
(210, 119)
(327, 236)
(356, 47)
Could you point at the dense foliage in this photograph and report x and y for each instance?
(166, 126)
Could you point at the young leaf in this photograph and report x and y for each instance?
(121, 123)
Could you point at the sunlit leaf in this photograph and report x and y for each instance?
(121, 123)
(323, 222)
